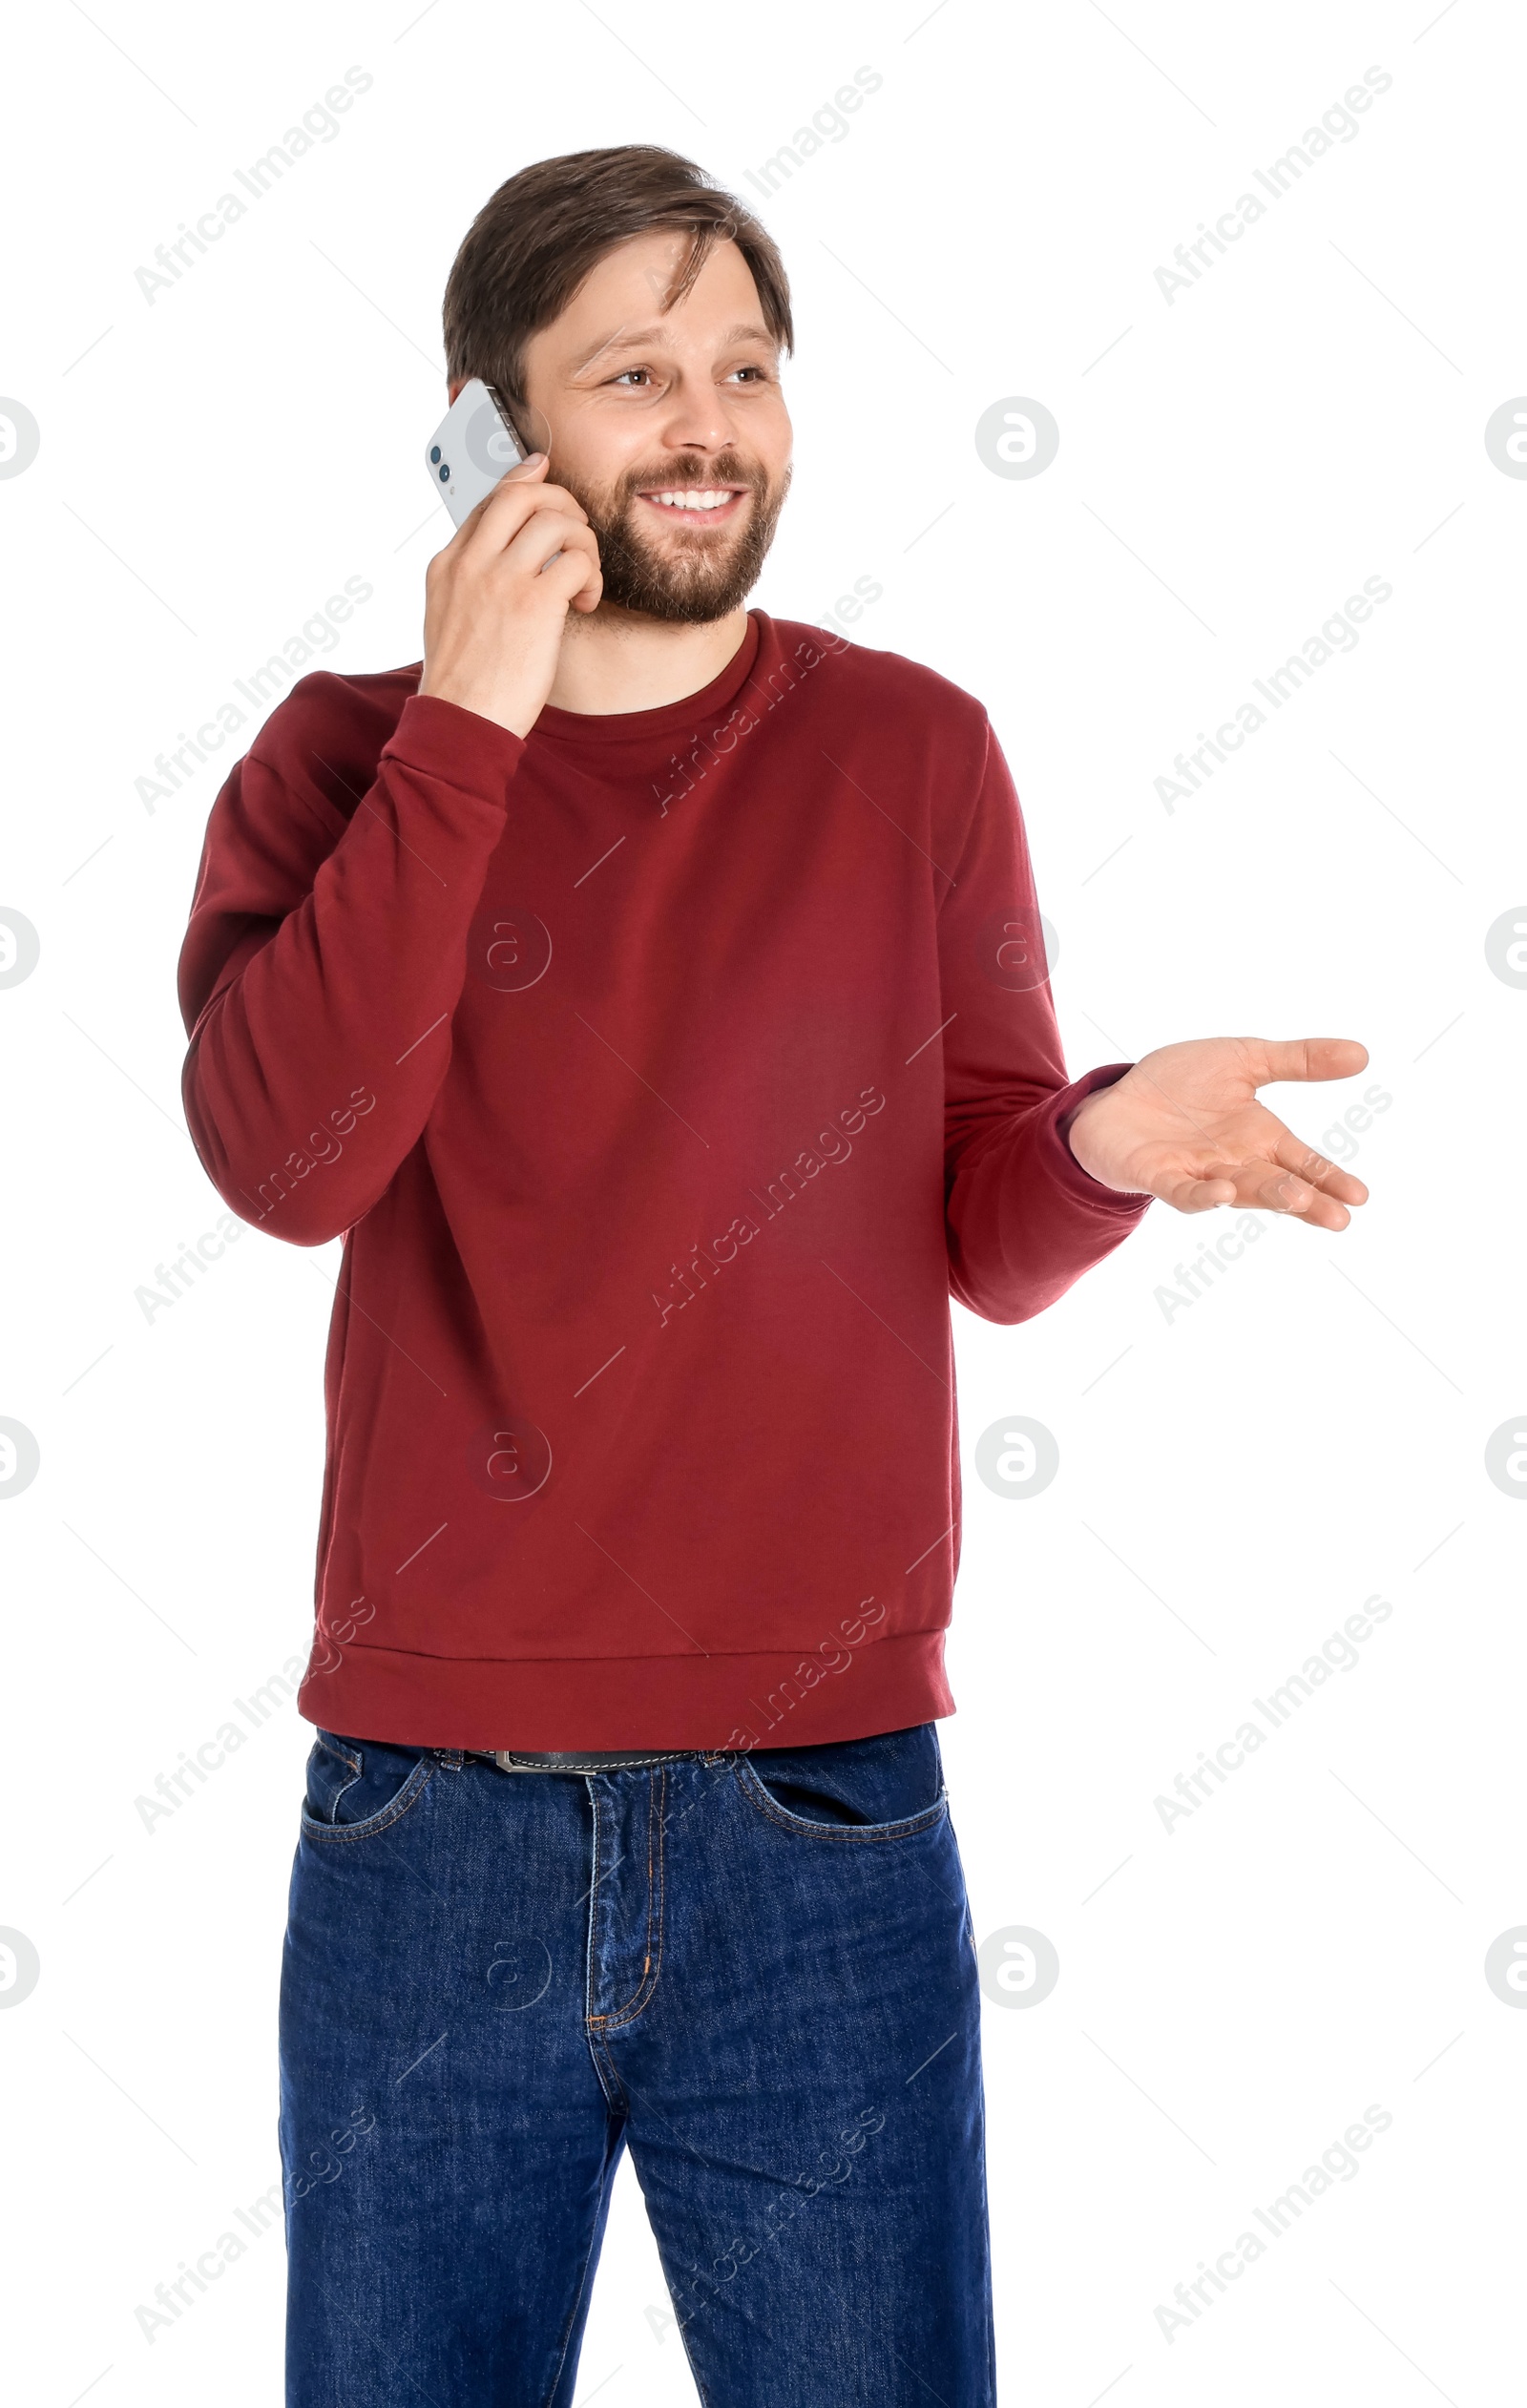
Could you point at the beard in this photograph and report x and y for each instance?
(697, 574)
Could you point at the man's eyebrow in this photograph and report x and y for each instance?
(627, 339)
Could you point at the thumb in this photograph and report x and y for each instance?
(1306, 1057)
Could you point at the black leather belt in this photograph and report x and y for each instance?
(581, 1760)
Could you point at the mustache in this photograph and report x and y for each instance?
(727, 467)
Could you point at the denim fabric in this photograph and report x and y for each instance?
(755, 1971)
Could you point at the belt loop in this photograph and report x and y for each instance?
(451, 1758)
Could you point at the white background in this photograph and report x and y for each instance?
(1235, 1478)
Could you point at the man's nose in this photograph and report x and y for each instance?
(697, 419)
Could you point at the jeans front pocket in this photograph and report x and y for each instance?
(887, 1787)
(356, 1788)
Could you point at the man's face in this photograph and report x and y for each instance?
(636, 404)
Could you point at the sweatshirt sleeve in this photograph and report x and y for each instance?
(1023, 1219)
(326, 952)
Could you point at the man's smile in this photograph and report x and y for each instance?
(695, 505)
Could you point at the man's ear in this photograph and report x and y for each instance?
(454, 388)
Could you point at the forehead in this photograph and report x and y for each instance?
(619, 304)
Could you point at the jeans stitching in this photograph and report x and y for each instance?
(604, 2072)
(623, 1764)
(906, 1828)
(411, 1792)
(332, 1747)
(642, 1997)
(594, 1908)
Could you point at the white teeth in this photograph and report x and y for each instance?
(689, 500)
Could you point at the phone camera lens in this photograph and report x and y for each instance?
(434, 453)
(445, 475)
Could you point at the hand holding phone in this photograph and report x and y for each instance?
(497, 598)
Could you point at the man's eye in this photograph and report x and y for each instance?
(630, 371)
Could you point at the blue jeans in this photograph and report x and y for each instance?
(758, 1972)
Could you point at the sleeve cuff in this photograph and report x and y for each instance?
(1125, 1202)
(458, 747)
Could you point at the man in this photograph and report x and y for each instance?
(649, 991)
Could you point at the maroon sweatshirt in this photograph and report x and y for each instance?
(664, 1072)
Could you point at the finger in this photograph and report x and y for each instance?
(1276, 1185)
(1311, 1169)
(497, 518)
(1277, 1190)
(1272, 1058)
(517, 497)
(525, 472)
(567, 555)
(572, 576)
(542, 538)
(1198, 1195)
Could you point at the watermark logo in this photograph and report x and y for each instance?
(319, 125)
(1505, 1455)
(1017, 1457)
(850, 607)
(1019, 950)
(20, 1966)
(509, 1460)
(829, 124)
(20, 946)
(191, 2283)
(331, 1638)
(20, 1457)
(1505, 435)
(1505, 947)
(19, 437)
(832, 1146)
(192, 1261)
(1017, 1967)
(684, 771)
(489, 446)
(1338, 124)
(1338, 634)
(1339, 1653)
(1506, 1966)
(1017, 436)
(1195, 1279)
(520, 1974)
(508, 948)
(175, 1789)
(1339, 2163)
(327, 2161)
(262, 687)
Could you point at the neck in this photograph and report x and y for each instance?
(615, 659)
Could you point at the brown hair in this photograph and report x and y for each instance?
(530, 246)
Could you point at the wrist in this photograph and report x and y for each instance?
(1083, 1129)
(1076, 1116)
(506, 711)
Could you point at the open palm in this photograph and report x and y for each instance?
(1185, 1123)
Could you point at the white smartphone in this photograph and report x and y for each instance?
(472, 449)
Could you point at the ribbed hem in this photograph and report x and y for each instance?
(800, 1697)
(1063, 1165)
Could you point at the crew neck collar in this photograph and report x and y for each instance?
(612, 727)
